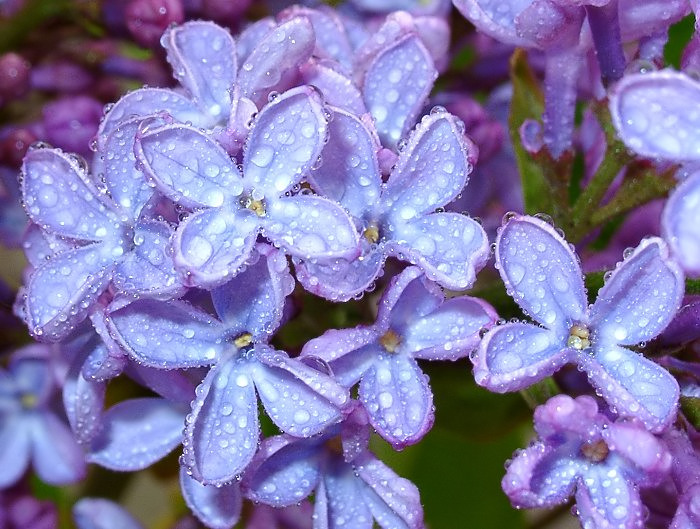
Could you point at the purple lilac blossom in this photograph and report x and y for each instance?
(106, 240)
(583, 452)
(651, 114)
(638, 300)
(148, 19)
(685, 471)
(98, 513)
(349, 482)
(414, 322)
(232, 205)
(31, 432)
(398, 218)
(19, 509)
(222, 430)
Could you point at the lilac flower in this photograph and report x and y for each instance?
(686, 476)
(216, 506)
(222, 432)
(71, 122)
(232, 208)
(98, 513)
(650, 113)
(582, 451)
(14, 77)
(544, 277)
(106, 241)
(148, 19)
(19, 509)
(29, 430)
(223, 84)
(414, 322)
(349, 482)
(399, 218)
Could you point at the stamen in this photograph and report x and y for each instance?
(371, 233)
(390, 341)
(256, 206)
(579, 337)
(595, 451)
(244, 340)
(29, 400)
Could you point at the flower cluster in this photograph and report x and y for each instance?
(201, 258)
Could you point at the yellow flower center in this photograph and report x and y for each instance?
(29, 400)
(595, 451)
(244, 340)
(579, 337)
(256, 206)
(390, 341)
(371, 233)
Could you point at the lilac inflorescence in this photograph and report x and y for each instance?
(181, 237)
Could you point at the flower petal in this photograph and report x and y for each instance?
(431, 170)
(223, 430)
(167, 335)
(539, 476)
(633, 385)
(215, 507)
(680, 224)
(311, 227)
(650, 113)
(203, 57)
(149, 269)
(408, 67)
(339, 499)
(449, 247)
(60, 197)
(285, 142)
(338, 279)
(127, 186)
(96, 513)
(300, 400)
(542, 272)
(83, 401)
(393, 500)
(496, 18)
(60, 292)
(56, 455)
(640, 298)
(331, 40)
(212, 245)
(146, 102)
(452, 331)
(188, 166)
(39, 245)
(396, 394)
(253, 301)
(283, 48)
(338, 89)
(349, 173)
(284, 472)
(649, 18)
(137, 433)
(648, 453)
(16, 449)
(606, 499)
(516, 355)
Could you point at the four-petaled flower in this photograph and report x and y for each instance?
(638, 300)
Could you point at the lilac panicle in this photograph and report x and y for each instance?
(232, 208)
(106, 241)
(637, 302)
(222, 430)
(582, 452)
(98, 513)
(399, 218)
(30, 431)
(349, 482)
(414, 322)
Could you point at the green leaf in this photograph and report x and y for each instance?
(528, 103)
(690, 406)
(679, 34)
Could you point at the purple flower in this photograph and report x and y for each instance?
(29, 430)
(543, 275)
(686, 476)
(650, 113)
(232, 205)
(14, 77)
(582, 452)
(350, 484)
(19, 509)
(148, 19)
(105, 240)
(222, 431)
(70, 123)
(414, 322)
(399, 218)
(97, 513)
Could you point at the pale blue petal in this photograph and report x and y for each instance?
(137, 433)
(337, 87)
(606, 499)
(16, 449)
(287, 138)
(516, 355)
(496, 18)
(96, 513)
(56, 455)
(216, 507)
(542, 273)
(203, 57)
(681, 224)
